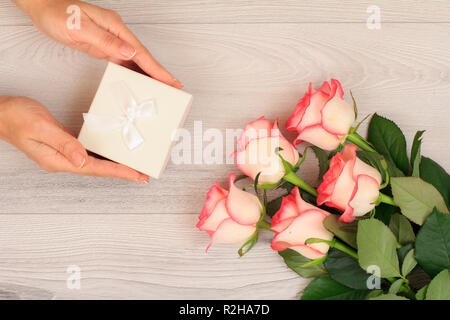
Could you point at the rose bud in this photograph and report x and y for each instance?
(229, 216)
(350, 185)
(322, 117)
(297, 221)
(259, 144)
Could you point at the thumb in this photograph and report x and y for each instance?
(105, 41)
(64, 143)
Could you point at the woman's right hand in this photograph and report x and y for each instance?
(29, 126)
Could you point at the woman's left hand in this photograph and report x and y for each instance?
(100, 33)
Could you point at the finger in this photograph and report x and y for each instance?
(111, 21)
(106, 168)
(102, 40)
(52, 160)
(63, 142)
(146, 62)
(144, 59)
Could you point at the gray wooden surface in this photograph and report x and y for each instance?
(241, 60)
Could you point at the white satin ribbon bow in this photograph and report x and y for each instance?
(132, 111)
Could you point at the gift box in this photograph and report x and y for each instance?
(133, 119)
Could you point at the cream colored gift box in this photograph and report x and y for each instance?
(146, 142)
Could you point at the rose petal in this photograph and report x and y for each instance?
(218, 215)
(230, 231)
(307, 225)
(330, 177)
(363, 168)
(302, 205)
(260, 156)
(363, 201)
(338, 116)
(257, 129)
(318, 136)
(214, 195)
(294, 120)
(344, 186)
(285, 214)
(242, 206)
(347, 216)
(313, 251)
(312, 113)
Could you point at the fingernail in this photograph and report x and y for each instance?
(78, 159)
(178, 83)
(127, 51)
(143, 179)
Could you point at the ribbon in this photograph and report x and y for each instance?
(132, 111)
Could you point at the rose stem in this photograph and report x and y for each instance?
(263, 224)
(335, 244)
(360, 142)
(386, 199)
(293, 178)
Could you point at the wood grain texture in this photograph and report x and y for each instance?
(237, 73)
(241, 60)
(133, 257)
(261, 11)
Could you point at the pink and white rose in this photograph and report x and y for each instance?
(297, 221)
(229, 216)
(322, 117)
(350, 185)
(259, 143)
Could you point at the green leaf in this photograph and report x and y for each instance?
(374, 293)
(322, 157)
(415, 153)
(439, 288)
(409, 263)
(420, 295)
(434, 174)
(345, 269)
(325, 288)
(395, 287)
(295, 261)
(374, 159)
(416, 167)
(403, 251)
(432, 247)
(377, 246)
(345, 231)
(415, 149)
(384, 212)
(389, 141)
(402, 229)
(389, 297)
(308, 197)
(416, 198)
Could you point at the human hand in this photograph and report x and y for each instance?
(30, 127)
(102, 34)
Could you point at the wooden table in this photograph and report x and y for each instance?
(240, 60)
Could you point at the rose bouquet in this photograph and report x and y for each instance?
(377, 226)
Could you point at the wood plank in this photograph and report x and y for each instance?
(266, 11)
(133, 256)
(236, 73)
